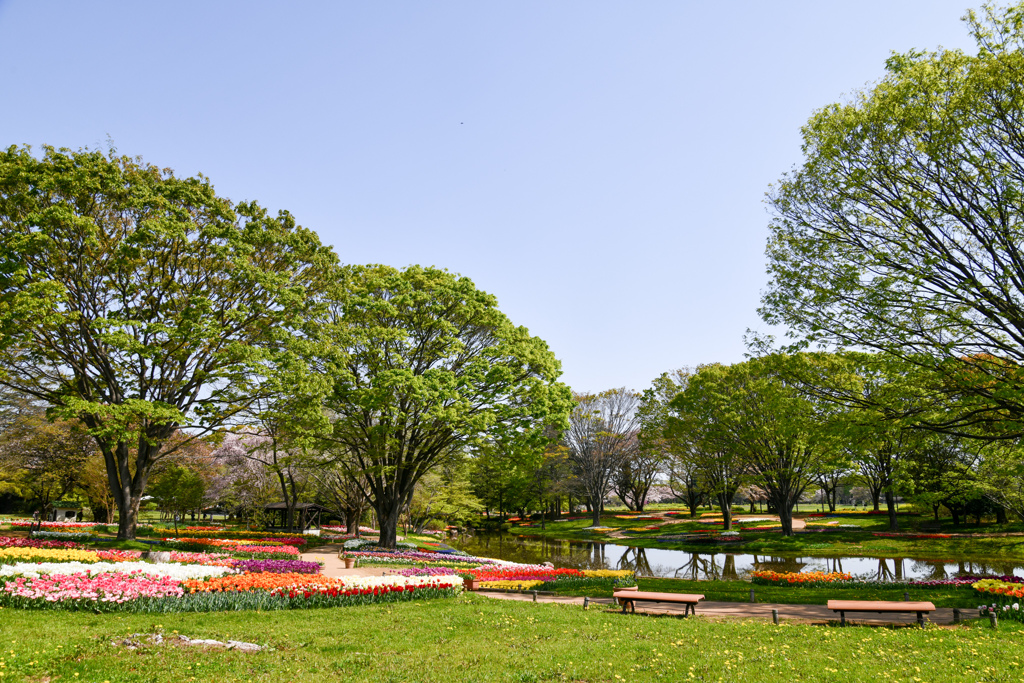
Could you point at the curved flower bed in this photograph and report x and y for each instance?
(137, 592)
(14, 542)
(64, 536)
(208, 559)
(180, 572)
(522, 572)
(771, 578)
(415, 556)
(277, 566)
(66, 526)
(886, 534)
(84, 590)
(257, 552)
(257, 536)
(12, 555)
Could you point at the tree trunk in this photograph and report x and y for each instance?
(387, 516)
(786, 518)
(725, 504)
(1001, 515)
(596, 515)
(876, 495)
(890, 505)
(128, 517)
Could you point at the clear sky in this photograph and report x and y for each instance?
(600, 167)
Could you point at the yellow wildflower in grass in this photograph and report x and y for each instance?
(608, 573)
(13, 555)
(512, 584)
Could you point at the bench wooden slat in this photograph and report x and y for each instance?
(658, 597)
(879, 606)
(629, 598)
(889, 606)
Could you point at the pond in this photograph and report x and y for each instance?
(712, 564)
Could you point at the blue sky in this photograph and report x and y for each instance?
(598, 166)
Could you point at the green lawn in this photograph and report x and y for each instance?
(476, 639)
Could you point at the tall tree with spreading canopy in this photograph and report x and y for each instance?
(903, 229)
(693, 427)
(602, 436)
(432, 368)
(143, 304)
(757, 416)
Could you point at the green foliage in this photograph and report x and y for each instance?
(901, 231)
(444, 495)
(140, 302)
(432, 367)
(177, 490)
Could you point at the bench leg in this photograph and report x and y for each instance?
(842, 618)
(920, 619)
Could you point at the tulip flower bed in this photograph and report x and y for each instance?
(884, 534)
(998, 587)
(57, 526)
(522, 572)
(177, 588)
(15, 542)
(208, 559)
(256, 536)
(403, 557)
(958, 581)
(64, 536)
(1006, 594)
(238, 548)
(13, 555)
(277, 566)
(181, 572)
(104, 592)
(770, 578)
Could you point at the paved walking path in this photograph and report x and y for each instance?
(333, 566)
(744, 610)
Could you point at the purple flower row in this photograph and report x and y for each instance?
(428, 571)
(278, 566)
(418, 556)
(966, 580)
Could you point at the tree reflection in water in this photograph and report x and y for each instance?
(687, 565)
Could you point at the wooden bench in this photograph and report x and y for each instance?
(880, 606)
(629, 598)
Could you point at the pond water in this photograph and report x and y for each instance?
(712, 564)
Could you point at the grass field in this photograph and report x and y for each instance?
(476, 639)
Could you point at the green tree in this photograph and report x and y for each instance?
(444, 495)
(698, 438)
(44, 460)
(755, 416)
(432, 368)
(676, 452)
(601, 438)
(142, 303)
(902, 231)
(177, 490)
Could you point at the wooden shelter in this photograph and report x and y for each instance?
(307, 515)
